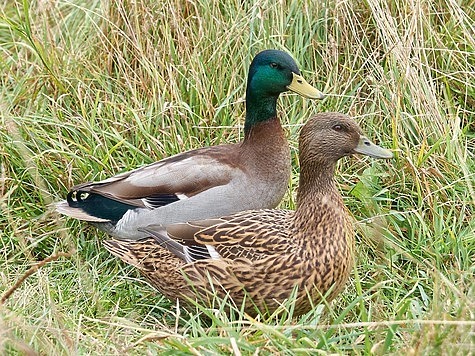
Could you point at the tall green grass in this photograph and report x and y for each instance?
(92, 88)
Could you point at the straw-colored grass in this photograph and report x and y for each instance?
(93, 88)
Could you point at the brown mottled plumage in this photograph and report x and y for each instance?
(263, 255)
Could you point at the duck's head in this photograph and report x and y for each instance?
(273, 72)
(327, 137)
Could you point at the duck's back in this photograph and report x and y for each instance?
(203, 183)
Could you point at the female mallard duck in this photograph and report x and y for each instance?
(261, 256)
(206, 182)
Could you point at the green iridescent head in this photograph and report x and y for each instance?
(271, 73)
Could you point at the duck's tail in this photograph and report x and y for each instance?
(75, 212)
(145, 254)
(90, 206)
(161, 267)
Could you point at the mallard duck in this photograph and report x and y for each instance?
(260, 256)
(205, 182)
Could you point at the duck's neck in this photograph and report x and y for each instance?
(265, 152)
(259, 108)
(268, 133)
(319, 204)
(316, 180)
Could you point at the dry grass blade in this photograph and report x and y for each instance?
(32, 270)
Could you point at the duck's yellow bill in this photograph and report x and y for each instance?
(301, 86)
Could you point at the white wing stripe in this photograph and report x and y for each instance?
(213, 253)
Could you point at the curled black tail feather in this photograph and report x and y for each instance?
(97, 205)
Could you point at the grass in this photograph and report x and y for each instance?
(91, 88)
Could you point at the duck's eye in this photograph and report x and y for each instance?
(273, 65)
(337, 127)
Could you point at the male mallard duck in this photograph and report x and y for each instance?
(206, 182)
(262, 255)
